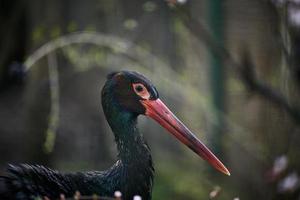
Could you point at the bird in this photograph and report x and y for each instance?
(125, 96)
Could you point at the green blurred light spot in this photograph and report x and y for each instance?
(38, 33)
(130, 24)
(179, 26)
(149, 6)
(72, 26)
(55, 32)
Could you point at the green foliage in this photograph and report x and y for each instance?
(72, 26)
(149, 6)
(179, 182)
(130, 24)
(55, 31)
(38, 34)
(83, 59)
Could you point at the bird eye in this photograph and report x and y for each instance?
(141, 90)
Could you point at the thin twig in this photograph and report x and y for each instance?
(54, 107)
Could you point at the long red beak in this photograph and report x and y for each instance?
(157, 110)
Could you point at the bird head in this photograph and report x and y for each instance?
(134, 93)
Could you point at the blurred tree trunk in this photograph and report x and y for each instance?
(14, 38)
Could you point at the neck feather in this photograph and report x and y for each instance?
(136, 172)
(130, 142)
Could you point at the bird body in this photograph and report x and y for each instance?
(30, 181)
(125, 95)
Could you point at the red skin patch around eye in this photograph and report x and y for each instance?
(144, 93)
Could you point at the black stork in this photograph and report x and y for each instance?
(125, 96)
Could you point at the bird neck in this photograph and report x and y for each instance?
(130, 142)
(131, 145)
(136, 169)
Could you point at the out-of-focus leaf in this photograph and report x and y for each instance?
(130, 24)
(149, 6)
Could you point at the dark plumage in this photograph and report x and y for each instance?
(125, 95)
(132, 174)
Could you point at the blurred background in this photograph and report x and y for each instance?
(230, 70)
